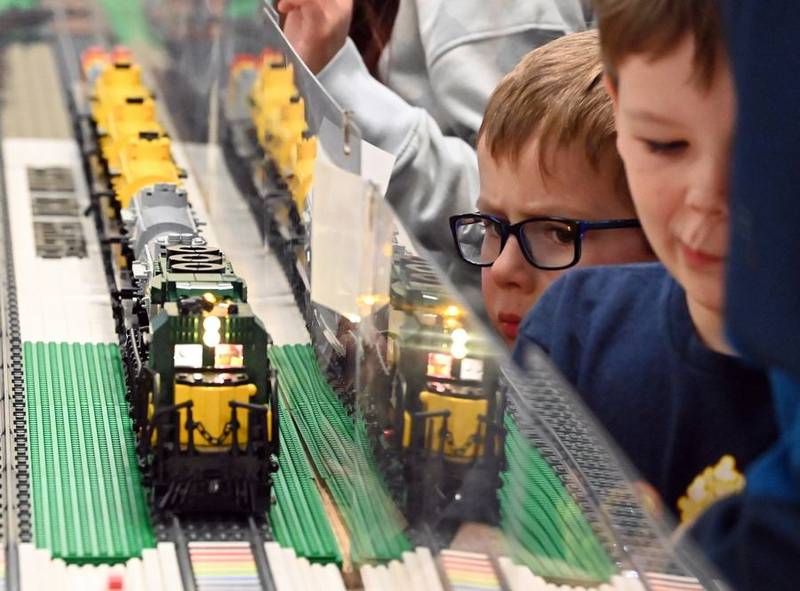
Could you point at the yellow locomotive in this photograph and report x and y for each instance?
(201, 389)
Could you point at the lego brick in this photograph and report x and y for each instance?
(547, 530)
(88, 502)
(340, 453)
(298, 518)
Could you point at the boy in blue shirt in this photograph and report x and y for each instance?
(753, 537)
(644, 345)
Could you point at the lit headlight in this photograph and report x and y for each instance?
(211, 326)
(458, 347)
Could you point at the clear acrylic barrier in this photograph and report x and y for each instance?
(406, 410)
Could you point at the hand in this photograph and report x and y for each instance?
(317, 29)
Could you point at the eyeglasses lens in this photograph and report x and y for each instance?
(551, 244)
(479, 240)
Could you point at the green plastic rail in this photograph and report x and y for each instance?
(298, 518)
(242, 9)
(88, 502)
(128, 21)
(547, 530)
(17, 4)
(340, 453)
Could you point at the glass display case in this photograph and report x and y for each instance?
(302, 398)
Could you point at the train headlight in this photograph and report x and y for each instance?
(452, 311)
(188, 355)
(211, 326)
(458, 346)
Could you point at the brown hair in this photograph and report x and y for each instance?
(555, 94)
(371, 28)
(656, 26)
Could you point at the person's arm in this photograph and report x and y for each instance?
(754, 537)
(468, 46)
(435, 176)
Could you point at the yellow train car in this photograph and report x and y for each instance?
(279, 117)
(134, 146)
(127, 122)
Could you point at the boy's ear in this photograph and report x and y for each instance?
(611, 89)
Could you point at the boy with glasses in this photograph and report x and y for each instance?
(644, 344)
(552, 186)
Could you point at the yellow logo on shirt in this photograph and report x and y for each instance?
(714, 483)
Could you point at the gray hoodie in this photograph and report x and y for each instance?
(443, 61)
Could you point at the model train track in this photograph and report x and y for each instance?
(186, 531)
(562, 433)
(14, 494)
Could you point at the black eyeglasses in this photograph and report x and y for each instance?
(549, 243)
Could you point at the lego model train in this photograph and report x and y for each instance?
(202, 394)
(431, 402)
(438, 425)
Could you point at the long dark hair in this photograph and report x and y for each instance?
(371, 28)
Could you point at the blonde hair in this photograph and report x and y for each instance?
(656, 26)
(556, 95)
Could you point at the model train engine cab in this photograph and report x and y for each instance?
(208, 413)
(202, 393)
(446, 417)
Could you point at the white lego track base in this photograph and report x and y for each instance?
(59, 299)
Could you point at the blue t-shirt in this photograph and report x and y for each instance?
(624, 338)
(753, 537)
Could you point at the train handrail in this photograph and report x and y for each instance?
(424, 417)
(260, 408)
(157, 418)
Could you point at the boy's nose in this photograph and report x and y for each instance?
(511, 268)
(709, 192)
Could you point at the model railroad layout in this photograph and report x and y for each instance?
(168, 443)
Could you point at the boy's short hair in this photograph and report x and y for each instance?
(556, 95)
(629, 27)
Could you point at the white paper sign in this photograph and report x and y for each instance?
(350, 251)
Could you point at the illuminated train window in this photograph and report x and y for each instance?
(189, 356)
(471, 369)
(440, 365)
(226, 356)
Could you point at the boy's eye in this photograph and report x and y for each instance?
(672, 147)
(553, 234)
(562, 235)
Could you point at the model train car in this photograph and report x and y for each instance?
(272, 153)
(433, 406)
(202, 394)
(443, 416)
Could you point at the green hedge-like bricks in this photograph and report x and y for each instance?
(340, 453)
(88, 502)
(546, 529)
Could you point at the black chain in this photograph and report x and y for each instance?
(210, 439)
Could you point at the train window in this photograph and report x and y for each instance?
(226, 356)
(440, 365)
(471, 369)
(189, 356)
